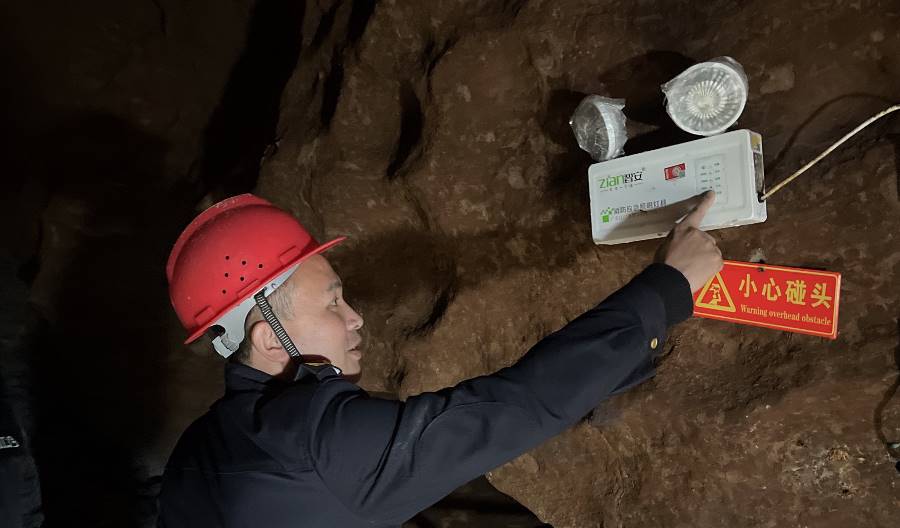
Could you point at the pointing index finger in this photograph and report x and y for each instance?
(695, 217)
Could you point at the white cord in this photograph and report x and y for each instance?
(828, 151)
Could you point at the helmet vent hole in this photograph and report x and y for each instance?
(242, 278)
(226, 273)
(227, 257)
(260, 266)
(243, 263)
(223, 292)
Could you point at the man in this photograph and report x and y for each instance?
(294, 443)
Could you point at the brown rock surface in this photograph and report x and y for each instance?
(447, 158)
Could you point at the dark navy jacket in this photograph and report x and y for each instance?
(320, 452)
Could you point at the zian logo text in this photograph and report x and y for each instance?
(611, 182)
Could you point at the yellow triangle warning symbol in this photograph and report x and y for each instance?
(713, 295)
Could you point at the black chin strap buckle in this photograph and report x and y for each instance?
(321, 371)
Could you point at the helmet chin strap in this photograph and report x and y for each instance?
(269, 315)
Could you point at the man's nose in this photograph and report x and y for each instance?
(354, 320)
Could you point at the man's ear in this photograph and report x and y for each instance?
(265, 342)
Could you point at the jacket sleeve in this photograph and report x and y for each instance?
(387, 460)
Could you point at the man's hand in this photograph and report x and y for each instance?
(690, 250)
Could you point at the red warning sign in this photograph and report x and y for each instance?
(790, 299)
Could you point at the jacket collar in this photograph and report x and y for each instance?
(240, 377)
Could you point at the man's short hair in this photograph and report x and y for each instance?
(283, 306)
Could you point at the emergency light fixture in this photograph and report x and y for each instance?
(632, 196)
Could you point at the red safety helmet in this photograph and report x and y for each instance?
(231, 251)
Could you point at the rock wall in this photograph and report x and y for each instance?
(436, 136)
